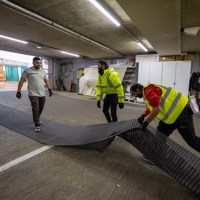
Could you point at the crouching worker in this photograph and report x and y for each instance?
(171, 107)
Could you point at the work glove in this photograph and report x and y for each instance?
(141, 118)
(50, 92)
(121, 105)
(19, 95)
(99, 104)
(144, 125)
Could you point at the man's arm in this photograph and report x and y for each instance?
(20, 84)
(153, 114)
(48, 86)
(98, 89)
(47, 83)
(153, 95)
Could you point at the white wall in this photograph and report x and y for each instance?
(11, 57)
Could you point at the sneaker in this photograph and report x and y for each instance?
(37, 129)
(146, 159)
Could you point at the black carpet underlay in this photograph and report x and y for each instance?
(169, 156)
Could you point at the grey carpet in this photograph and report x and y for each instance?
(59, 134)
(172, 158)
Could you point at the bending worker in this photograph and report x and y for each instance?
(109, 83)
(172, 109)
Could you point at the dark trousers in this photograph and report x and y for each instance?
(37, 104)
(184, 125)
(110, 102)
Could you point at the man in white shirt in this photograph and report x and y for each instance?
(37, 79)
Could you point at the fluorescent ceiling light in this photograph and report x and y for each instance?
(70, 54)
(39, 47)
(142, 46)
(192, 31)
(108, 15)
(13, 39)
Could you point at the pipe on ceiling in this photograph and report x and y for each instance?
(57, 26)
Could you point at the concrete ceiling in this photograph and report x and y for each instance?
(86, 31)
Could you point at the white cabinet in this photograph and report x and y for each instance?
(143, 73)
(155, 75)
(169, 72)
(183, 76)
(150, 72)
(175, 74)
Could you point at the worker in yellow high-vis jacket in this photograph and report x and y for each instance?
(109, 83)
(171, 107)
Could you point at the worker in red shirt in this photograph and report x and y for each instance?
(172, 109)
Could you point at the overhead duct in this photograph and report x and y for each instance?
(25, 11)
(55, 25)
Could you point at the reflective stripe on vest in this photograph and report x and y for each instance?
(170, 108)
(110, 83)
(108, 80)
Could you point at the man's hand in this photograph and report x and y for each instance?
(99, 104)
(50, 92)
(144, 125)
(19, 95)
(141, 118)
(121, 105)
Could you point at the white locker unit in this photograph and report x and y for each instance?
(175, 74)
(150, 72)
(168, 75)
(182, 78)
(143, 73)
(155, 75)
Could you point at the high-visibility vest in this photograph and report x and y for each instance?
(172, 104)
(109, 83)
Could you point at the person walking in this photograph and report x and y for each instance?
(171, 107)
(37, 79)
(109, 83)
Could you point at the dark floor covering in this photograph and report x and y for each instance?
(68, 173)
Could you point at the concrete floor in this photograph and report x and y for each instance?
(64, 173)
